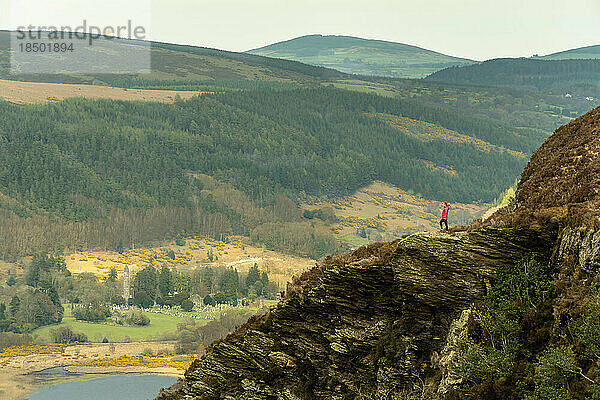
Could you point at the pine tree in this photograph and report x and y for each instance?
(165, 281)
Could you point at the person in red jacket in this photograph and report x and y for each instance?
(444, 219)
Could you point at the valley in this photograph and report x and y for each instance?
(232, 185)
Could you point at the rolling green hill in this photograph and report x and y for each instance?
(581, 53)
(178, 66)
(362, 56)
(524, 73)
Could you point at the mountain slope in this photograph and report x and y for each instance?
(362, 56)
(177, 64)
(85, 161)
(581, 53)
(523, 72)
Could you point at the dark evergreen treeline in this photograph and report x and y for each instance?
(523, 72)
(138, 82)
(301, 106)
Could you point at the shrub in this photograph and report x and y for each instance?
(556, 366)
(521, 287)
(8, 339)
(138, 319)
(220, 298)
(187, 305)
(209, 301)
(92, 313)
(118, 300)
(65, 335)
(142, 299)
(164, 352)
(501, 331)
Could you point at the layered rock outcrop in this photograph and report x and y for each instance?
(361, 323)
(380, 319)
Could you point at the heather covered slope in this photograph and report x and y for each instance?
(561, 182)
(566, 168)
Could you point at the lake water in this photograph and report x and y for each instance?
(130, 387)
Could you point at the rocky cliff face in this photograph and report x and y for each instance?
(385, 318)
(362, 323)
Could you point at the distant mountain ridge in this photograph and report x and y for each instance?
(362, 56)
(177, 63)
(524, 73)
(580, 53)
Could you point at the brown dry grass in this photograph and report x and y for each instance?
(33, 92)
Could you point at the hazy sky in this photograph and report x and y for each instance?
(477, 29)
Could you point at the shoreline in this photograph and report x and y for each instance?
(20, 375)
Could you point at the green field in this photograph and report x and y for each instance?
(160, 327)
(355, 240)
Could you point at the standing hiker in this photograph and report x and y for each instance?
(444, 219)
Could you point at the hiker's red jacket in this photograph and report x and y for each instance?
(445, 212)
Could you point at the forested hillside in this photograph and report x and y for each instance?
(362, 56)
(524, 72)
(100, 164)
